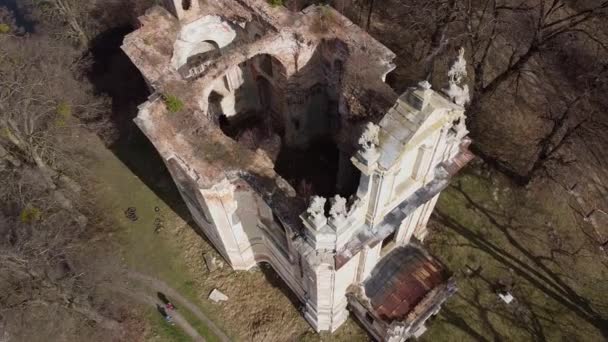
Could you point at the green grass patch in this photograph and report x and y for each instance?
(512, 234)
(173, 103)
(64, 113)
(275, 3)
(4, 28)
(142, 249)
(30, 215)
(163, 331)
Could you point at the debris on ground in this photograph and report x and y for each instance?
(158, 225)
(212, 262)
(506, 297)
(131, 214)
(209, 262)
(216, 296)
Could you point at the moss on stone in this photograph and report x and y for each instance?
(30, 215)
(4, 28)
(275, 3)
(64, 112)
(173, 103)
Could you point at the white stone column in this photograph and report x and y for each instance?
(326, 305)
(368, 258)
(421, 228)
(408, 226)
(318, 310)
(381, 197)
(344, 277)
(404, 231)
(222, 208)
(415, 223)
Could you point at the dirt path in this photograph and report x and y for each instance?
(117, 188)
(160, 286)
(178, 319)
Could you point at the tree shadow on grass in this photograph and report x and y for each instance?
(454, 319)
(532, 269)
(276, 281)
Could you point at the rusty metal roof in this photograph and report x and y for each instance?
(401, 280)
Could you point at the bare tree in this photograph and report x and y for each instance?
(38, 98)
(569, 119)
(512, 41)
(74, 14)
(524, 28)
(50, 275)
(431, 21)
(80, 21)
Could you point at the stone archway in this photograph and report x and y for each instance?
(215, 106)
(265, 93)
(209, 33)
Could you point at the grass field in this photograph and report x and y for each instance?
(259, 308)
(117, 189)
(528, 238)
(161, 331)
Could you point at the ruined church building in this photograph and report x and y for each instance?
(289, 148)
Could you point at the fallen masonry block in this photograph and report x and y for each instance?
(216, 296)
(210, 262)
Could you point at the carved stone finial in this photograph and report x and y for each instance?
(457, 89)
(316, 209)
(458, 70)
(370, 137)
(338, 208)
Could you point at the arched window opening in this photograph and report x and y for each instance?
(338, 67)
(204, 51)
(202, 37)
(215, 106)
(186, 4)
(265, 92)
(266, 65)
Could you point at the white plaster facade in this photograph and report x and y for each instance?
(307, 83)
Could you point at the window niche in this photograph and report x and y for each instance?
(266, 65)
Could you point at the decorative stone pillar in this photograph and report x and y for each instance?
(366, 160)
(419, 98)
(318, 306)
(368, 258)
(222, 207)
(421, 228)
(326, 304)
(368, 155)
(318, 233)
